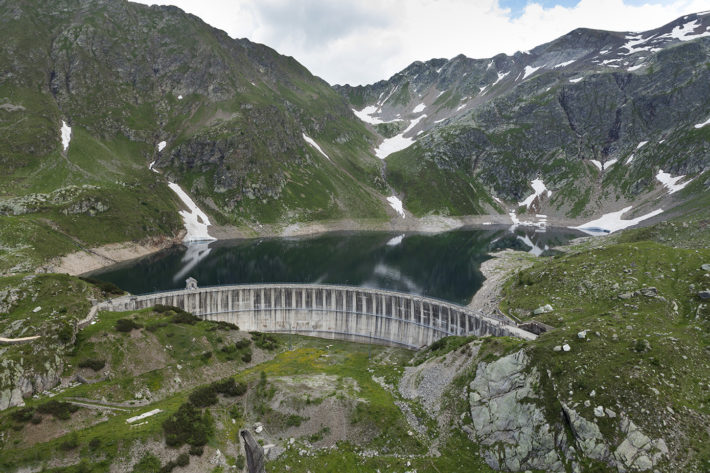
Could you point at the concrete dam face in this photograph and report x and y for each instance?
(342, 312)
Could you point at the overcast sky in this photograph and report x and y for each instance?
(363, 41)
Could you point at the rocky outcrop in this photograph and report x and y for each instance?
(507, 422)
(635, 452)
(18, 382)
(515, 434)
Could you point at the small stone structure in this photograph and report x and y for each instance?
(191, 284)
(254, 452)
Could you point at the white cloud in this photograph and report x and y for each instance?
(363, 41)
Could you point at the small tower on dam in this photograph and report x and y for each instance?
(191, 284)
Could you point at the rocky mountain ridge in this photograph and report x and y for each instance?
(599, 117)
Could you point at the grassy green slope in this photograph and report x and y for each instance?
(642, 353)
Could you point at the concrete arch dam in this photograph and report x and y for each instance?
(343, 312)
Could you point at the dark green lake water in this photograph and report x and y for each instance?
(444, 265)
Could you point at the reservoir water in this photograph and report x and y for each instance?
(443, 265)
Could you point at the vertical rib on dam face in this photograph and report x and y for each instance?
(343, 312)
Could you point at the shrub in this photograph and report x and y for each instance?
(183, 459)
(148, 464)
(246, 357)
(197, 451)
(161, 309)
(94, 364)
(105, 286)
(227, 326)
(228, 349)
(70, 443)
(206, 355)
(36, 420)
(126, 325)
(94, 443)
(241, 462)
(203, 397)
(243, 343)
(318, 436)
(187, 425)
(155, 326)
(235, 412)
(65, 333)
(264, 341)
(59, 409)
(229, 387)
(23, 414)
(294, 420)
(184, 318)
(168, 467)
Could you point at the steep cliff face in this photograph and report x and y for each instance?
(250, 134)
(594, 114)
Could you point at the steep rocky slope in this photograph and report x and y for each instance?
(602, 119)
(93, 93)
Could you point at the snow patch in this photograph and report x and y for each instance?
(700, 125)
(670, 182)
(686, 32)
(66, 135)
(195, 220)
(311, 142)
(640, 145)
(396, 240)
(603, 166)
(500, 77)
(631, 158)
(161, 146)
(539, 188)
(131, 420)
(636, 67)
(563, 64)
(179, 97)
(366, 115)
(529, 70)
(396, 204)
(419, 108)
(612, 222)
(633, 42)
(574, 81)
(150, 166)
(398, 142)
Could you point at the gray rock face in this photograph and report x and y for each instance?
(704, 295)
(254, 453)
(705, 267)
(511, 429)
(514, 434)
